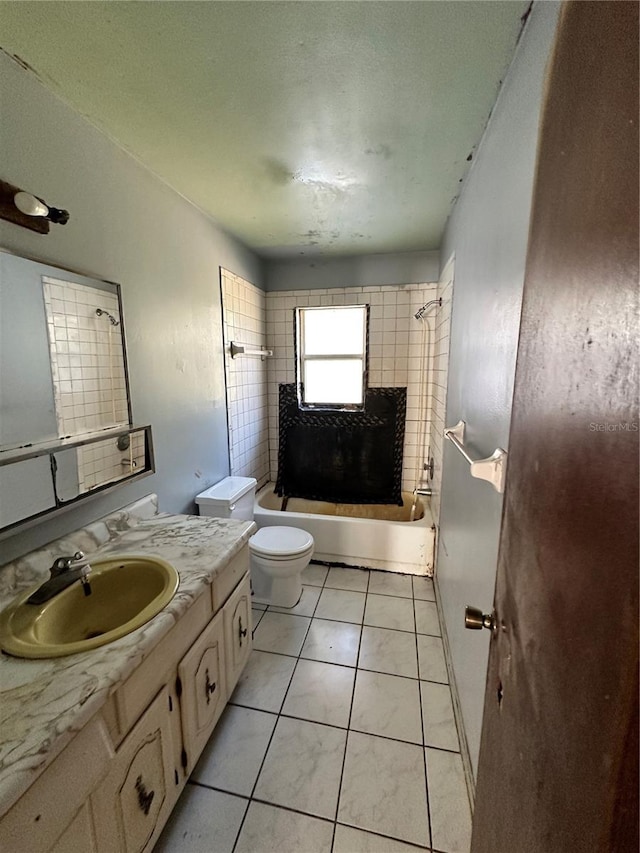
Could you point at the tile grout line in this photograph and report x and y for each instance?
(353, 696)
(278, 715)
(281, 714)
(424, 746)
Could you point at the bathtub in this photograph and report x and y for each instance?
(342, 535)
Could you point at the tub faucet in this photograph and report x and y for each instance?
(63, 572)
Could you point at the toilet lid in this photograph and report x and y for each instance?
(275, 541)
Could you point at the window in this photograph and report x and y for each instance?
(331, 363)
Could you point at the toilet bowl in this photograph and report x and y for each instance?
(279, 555)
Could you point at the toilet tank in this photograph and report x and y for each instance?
(232, 497)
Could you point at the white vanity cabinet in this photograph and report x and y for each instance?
(237, 631)
(79, 835)
(137, 752)
(133, 802)
(203, 690)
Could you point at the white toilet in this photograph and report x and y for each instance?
(279, 555)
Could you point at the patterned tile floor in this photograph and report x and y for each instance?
(340, 736)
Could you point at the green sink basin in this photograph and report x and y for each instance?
(127, 590)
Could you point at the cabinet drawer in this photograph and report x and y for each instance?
(225, 582)
(132, 804)
(203, 682)
(237, 631)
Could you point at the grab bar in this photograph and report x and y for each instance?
(492, 469)
(239, 349)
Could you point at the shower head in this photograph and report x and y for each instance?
(419, 314)
(112, 319)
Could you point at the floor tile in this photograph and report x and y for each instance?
(350, 840)
(314, 575)
(264, 681)
(302, 768)
(387, 705)
(320, 692)
(448, 802)
(431, 659)
(280, 632)
(332, 642)
(200, 815)
(268, 829)
(437, 716)
(341, 605)
(353, 579)
(423, 589)
(256, 605)
(306, 605)
(256, 616)
(385, 611)
(232, 758)
(393, 652)
(393, 802)
(388, 583)
(427, 621)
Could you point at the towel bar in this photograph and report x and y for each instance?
(492, 469)
(239, 349)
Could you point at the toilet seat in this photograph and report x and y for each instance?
(281, 543)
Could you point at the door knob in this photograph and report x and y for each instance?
(476, 620)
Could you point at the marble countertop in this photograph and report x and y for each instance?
(44, 703)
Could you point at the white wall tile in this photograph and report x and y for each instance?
(395, 354)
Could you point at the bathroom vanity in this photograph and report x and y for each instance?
(96, 747)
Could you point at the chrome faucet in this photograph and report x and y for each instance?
(63, 572)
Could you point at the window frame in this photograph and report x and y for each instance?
(301, 358)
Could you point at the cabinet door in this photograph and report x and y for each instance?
(132, 804)
(203, 689)
(237, 631)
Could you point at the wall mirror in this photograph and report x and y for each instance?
(66, 428)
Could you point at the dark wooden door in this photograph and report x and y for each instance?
(558, 768)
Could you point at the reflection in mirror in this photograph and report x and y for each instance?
(78, 470)
(66, 429)
(26, 489)
(36, 481)
(62, 357)
(87, 357)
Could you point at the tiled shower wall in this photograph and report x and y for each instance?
(86, 358)
(441, 323)
(244, 322)
(396, 355)
(102, 462)
(87, 366)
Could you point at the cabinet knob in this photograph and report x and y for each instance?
(241, 632)
(209, 686)
(145, 798)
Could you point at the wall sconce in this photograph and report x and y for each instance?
(29, 211)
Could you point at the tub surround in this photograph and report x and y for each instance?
(45, 703)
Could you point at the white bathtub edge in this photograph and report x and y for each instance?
(397, 546)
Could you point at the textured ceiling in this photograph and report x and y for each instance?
(300, 127)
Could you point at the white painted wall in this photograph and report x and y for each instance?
(129, 227)
(488, 233)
